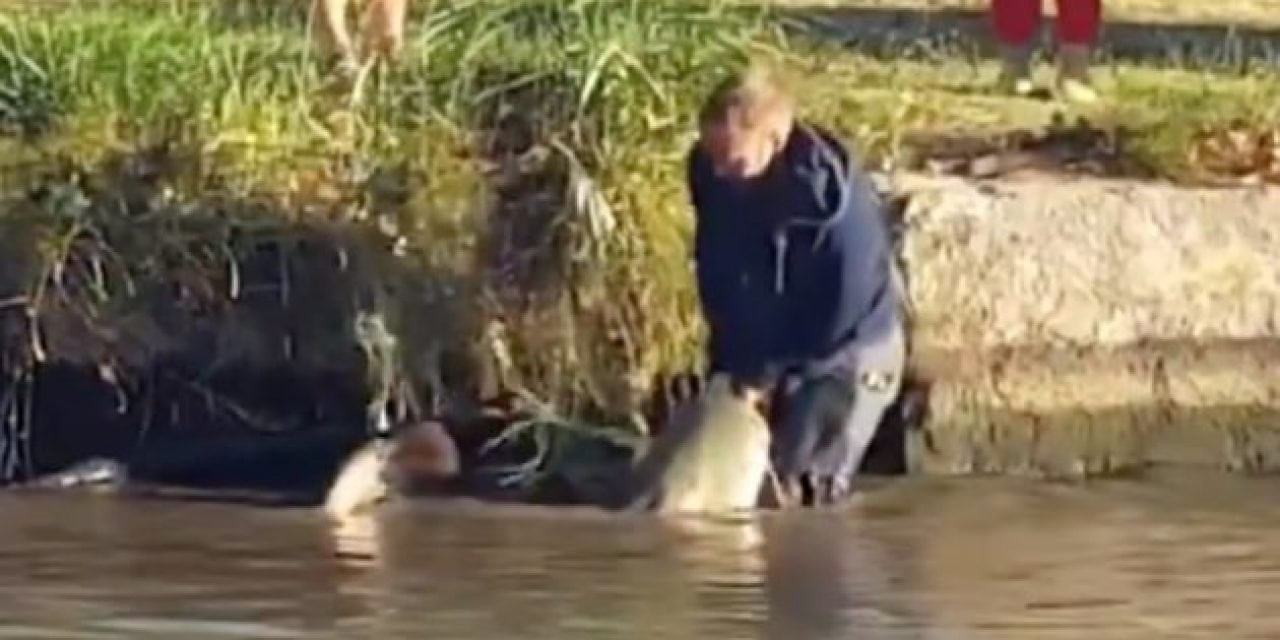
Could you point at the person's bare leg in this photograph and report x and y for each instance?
(1079, 22)
(1016, 24)
(384, 30)
(332, 16)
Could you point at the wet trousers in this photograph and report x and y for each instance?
(823, 425)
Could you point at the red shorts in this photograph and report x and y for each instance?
(1016, 21)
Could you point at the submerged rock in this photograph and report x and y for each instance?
(419, 459)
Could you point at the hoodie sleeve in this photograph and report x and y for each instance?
(709, 254)
(850, 253)
(734, 347)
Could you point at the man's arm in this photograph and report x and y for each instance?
(713, 272)
(732, 349)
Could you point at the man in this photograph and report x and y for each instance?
(796, 281)
(1016, 23)
(384, 30)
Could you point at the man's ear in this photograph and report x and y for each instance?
(780, 134)
(777, 140)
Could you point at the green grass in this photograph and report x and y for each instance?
(511, 191)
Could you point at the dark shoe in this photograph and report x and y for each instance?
(1015, 70)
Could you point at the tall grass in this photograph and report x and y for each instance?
(508, 195)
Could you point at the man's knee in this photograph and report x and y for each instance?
(810, 420)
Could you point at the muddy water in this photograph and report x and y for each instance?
(1180, 556)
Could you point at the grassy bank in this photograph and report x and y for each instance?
(179, 177)
(182, 181)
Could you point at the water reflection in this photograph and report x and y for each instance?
(818, 575)
(721, 562)
(827, 577)
(1187, 558)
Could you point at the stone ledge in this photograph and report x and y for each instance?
(1087, 326)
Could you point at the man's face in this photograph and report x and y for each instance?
(738, 155)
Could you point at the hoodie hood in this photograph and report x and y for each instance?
(816, 165)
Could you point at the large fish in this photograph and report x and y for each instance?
(712, 458)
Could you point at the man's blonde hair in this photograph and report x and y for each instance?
(752, 99)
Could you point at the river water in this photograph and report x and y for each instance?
(1185, 555)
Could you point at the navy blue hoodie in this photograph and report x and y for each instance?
(793, 267)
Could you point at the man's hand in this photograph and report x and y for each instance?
(749, 394)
